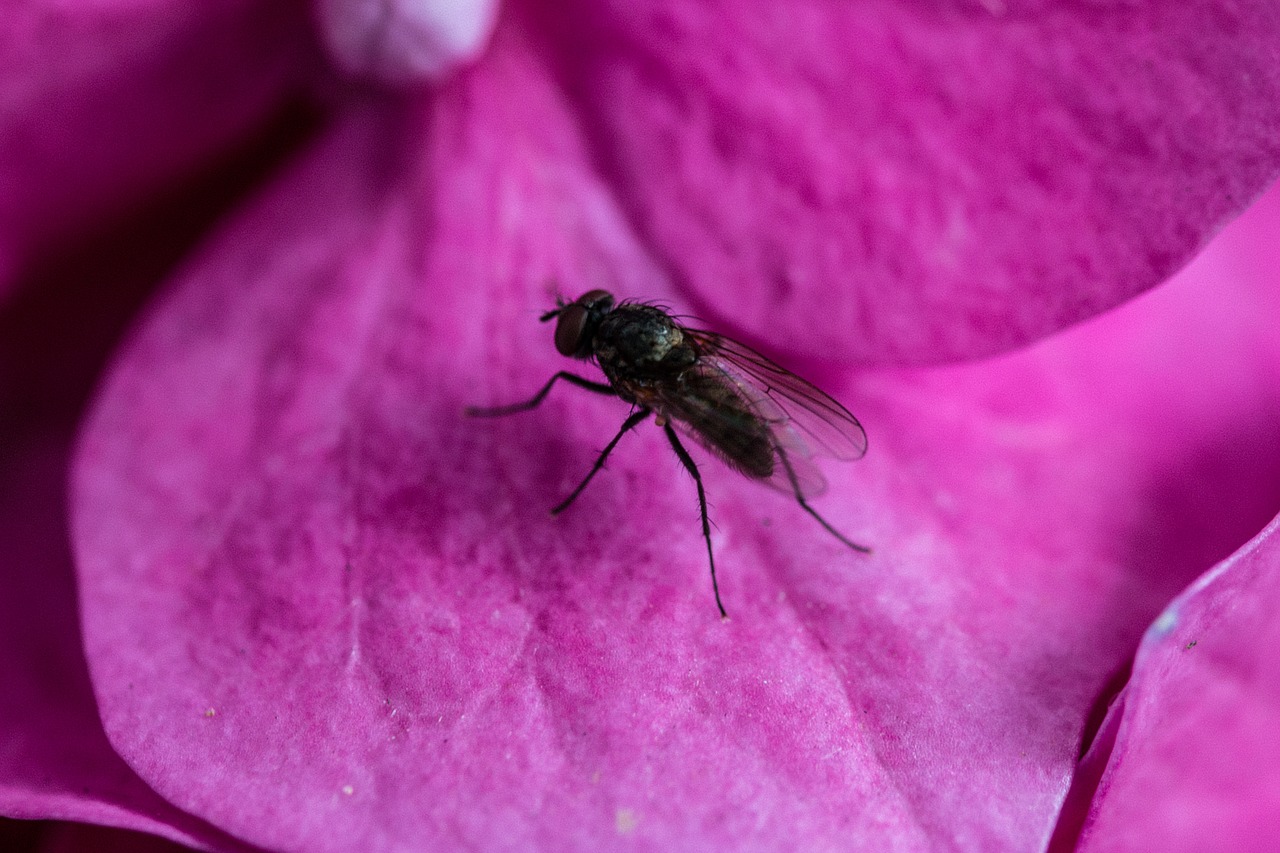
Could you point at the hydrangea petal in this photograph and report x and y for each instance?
(906, 182)
(55, 761)
(1196, 756)
(104, 103)
(1171, 783)
(323, 610)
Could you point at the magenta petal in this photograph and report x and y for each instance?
(1196, 763)
(104, 103)
(325, 611)
(907, 182)
(55, 761)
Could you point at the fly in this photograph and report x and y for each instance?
(758, 418)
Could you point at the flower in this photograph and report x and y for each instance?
(323, 610)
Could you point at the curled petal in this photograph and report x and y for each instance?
(1195, 757)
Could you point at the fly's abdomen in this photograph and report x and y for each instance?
(723, 422)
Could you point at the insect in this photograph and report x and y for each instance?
(757, 417)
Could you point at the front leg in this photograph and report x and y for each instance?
(572, 378)
(627, 425)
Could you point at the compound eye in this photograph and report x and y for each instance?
(569, 328)
(596, 299)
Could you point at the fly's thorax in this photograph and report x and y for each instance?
(640, 341)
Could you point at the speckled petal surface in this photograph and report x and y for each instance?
(915, 182)
(325, 611)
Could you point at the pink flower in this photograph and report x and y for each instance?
(322, 610)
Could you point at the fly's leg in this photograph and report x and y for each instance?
(687, 461)
(572, 378)
(629, 424)
(795, 488)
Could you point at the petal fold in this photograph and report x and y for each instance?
(1196, 764)
(56, 762)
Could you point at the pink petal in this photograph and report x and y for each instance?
(1196, 760)
(405, 41)
(56, 761)
(105, 103)
(906, 182)
(325, 611)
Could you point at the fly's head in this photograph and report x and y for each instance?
(577, 321)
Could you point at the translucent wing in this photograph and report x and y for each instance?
(827, 427)
(800, 419)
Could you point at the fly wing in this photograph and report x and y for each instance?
(823, 425)
(784, 418)
(750, 435)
